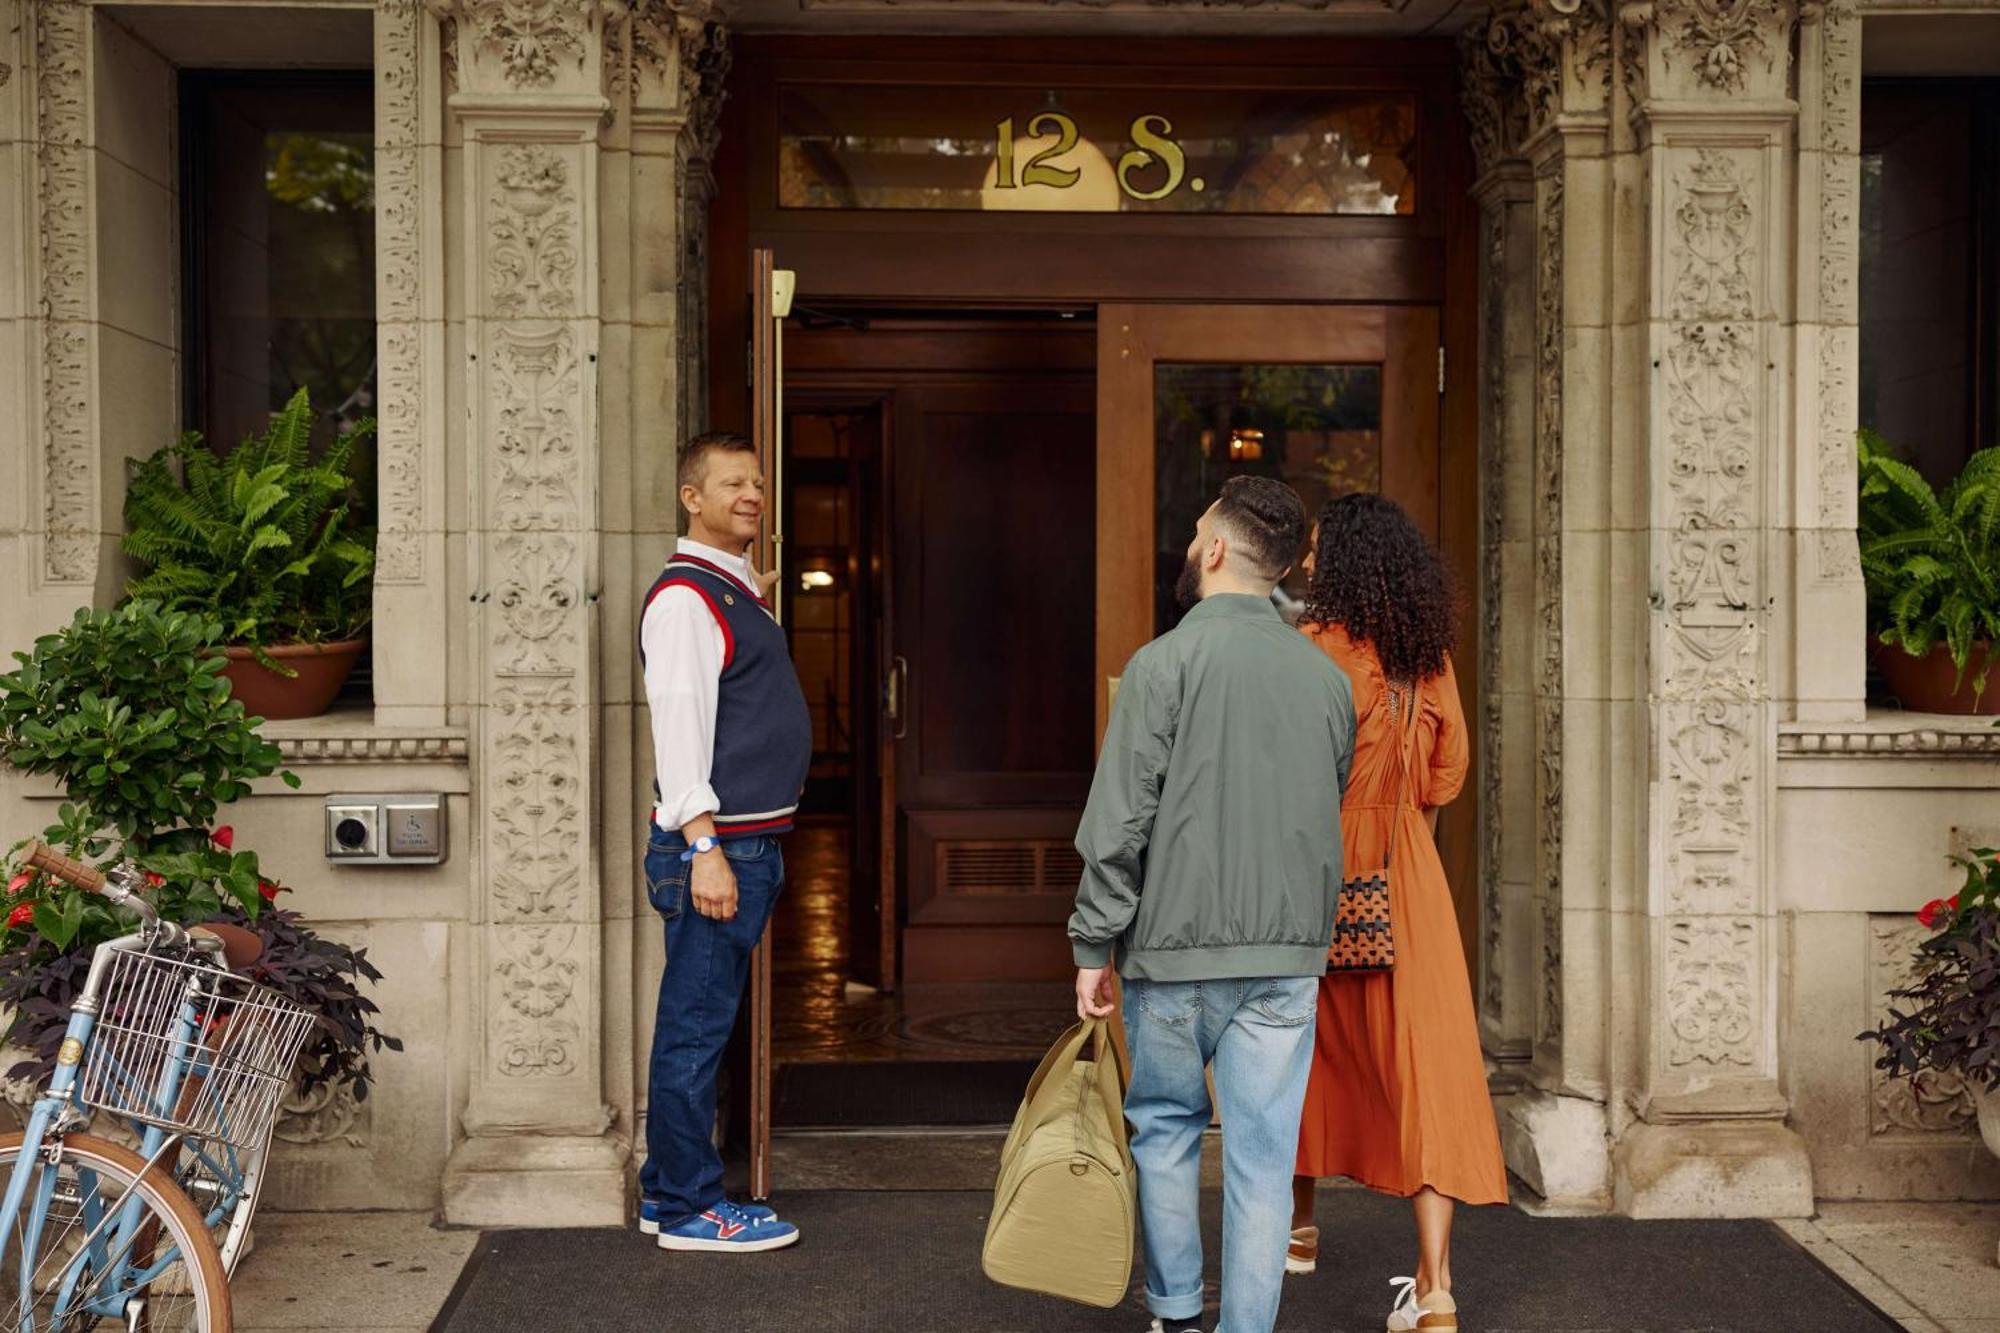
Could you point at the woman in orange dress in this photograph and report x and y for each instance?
(1397, 1099)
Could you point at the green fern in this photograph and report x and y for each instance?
(1932, 561)
(259, 537)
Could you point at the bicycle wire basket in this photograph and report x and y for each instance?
(192, 1048)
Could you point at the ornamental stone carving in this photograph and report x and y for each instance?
(1492, 594)
(1711, 674)
(1935, 1101)
(327, 1114)
(1718, 39)
(1548, 546)
(535, 980)
(534, 40)
(1710, 972)
(70, 518)
(532, 250)
(400, 263)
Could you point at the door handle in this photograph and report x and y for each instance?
(899, 687)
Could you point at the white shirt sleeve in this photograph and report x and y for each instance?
(684, 649)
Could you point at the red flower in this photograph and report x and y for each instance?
(224, 837)
(269, 890)
(154, 879)
(20, 882)
(22, 914)
(1932, 910)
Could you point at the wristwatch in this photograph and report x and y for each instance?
(700, 845)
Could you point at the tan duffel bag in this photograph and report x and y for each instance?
(1066, 1203)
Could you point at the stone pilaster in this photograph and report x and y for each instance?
(539, 1147)
(1547, 195)
(1828, 603)
(664, 65)
(1715, 122)
(412, 684)
(1509, 926)
(66, 525)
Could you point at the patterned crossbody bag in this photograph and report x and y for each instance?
(1363, 939)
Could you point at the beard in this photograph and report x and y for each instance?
(1187, 588)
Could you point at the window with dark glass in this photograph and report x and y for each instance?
(278, 252)
(1930, 239)
(279, 237)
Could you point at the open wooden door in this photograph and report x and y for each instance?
(770, 301)
(1329, 399)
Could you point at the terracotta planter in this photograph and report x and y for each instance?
(1926, 684)
(323, 668)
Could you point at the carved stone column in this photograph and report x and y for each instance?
(1496, 109)
(539, 1147)
(1715, 122)
(1537, 77)
(64, 556)
(664, 63)
(410, 602)
(1828, 600)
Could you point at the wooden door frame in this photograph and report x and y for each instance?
(1132, 338)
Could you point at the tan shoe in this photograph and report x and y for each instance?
(1302, 1255)
(1435, 1313)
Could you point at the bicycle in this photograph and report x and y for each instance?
(196, 1058)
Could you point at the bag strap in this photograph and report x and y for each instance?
(1404, 743)
(1055, 1067)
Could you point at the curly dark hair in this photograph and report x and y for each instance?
(1380, 579)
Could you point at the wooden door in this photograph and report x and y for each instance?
(1328, 398)
(994, 517)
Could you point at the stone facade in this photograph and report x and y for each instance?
(1699, 847)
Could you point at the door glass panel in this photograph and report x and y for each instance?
(1317, 428)
(1097, 150)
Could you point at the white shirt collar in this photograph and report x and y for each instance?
(738, 565)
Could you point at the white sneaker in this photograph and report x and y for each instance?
(1435, 1313)
(1302, 1255)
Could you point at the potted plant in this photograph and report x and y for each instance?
(1948, 1019)
(128, 711)
(263, 539)
(1932, 566)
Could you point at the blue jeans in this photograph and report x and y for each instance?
(1259, 1035)
(707, 964)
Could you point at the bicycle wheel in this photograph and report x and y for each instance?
(80, 1277)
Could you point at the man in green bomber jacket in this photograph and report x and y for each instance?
(1212, 863)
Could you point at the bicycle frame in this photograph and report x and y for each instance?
(110, 1232)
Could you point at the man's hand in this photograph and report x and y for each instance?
(713, 886)
(763, 582)
(1094, 998)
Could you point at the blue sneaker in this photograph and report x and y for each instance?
(649, 1215)
(727, 1229)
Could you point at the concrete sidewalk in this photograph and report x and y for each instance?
(1930, 1266)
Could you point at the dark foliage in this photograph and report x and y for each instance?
(1948, 1019)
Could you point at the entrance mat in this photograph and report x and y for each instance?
(874, 1262)
(854, 1093)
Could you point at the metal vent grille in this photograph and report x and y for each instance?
(987, 869)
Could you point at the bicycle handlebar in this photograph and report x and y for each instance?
(120, 885)
(46, 859)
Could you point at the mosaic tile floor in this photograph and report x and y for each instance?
(819, 1016)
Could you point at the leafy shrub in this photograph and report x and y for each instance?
(126, 710)
(1931, 561)
(260, 537)
(129, 711)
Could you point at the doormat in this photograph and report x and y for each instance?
(909, 1263)
(857, 1094)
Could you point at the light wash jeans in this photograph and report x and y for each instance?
(1259, 1035)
